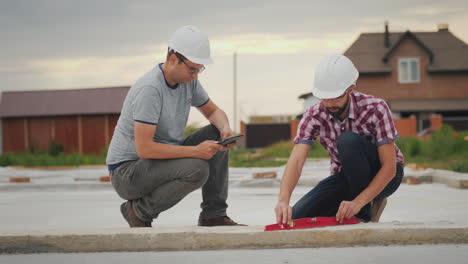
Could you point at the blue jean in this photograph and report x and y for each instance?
(360, 163)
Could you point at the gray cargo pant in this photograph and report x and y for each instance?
(155, 185)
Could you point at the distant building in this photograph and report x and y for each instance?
(271, 118)
(82, 120)
(262, 131)
(309, 100)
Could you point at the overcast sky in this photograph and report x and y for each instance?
(85, 44)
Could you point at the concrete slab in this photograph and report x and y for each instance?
(205, 238)
(83, 216)
(63, 209)
(449, 178)
(427, 254)
(313, 172)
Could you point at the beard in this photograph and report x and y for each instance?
(337, 111)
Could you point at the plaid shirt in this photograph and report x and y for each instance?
(368, 116)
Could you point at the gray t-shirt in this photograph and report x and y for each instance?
(152, 101)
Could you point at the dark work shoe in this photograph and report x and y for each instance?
(218, 221)
(128, 213)
(361, 218)
(377, 207)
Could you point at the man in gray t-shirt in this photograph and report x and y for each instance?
(152, 166)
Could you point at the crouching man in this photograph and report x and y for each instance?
(152, 166)
(358, 132)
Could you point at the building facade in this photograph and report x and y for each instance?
(81, 120)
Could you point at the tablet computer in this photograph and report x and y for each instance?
(229, 140)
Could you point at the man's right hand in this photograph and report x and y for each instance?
(207, 149)
(283, 213)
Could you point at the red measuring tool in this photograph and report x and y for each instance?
(310, 222)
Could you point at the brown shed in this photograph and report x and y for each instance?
(82, 120)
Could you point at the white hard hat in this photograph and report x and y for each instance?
(333, 76)
(192, 43)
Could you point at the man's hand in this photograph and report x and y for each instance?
(218, 118)
(207, 149)
(226, 132)
(347, 210)
(283, 213)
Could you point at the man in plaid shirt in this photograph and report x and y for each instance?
(358, 132)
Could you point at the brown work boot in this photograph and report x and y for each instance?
(218, 221)
(128, 213)
(377, 207)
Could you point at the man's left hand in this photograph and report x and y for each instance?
(347, 210)
(227, 133)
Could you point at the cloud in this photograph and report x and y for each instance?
(81, 72)
(271, 44)
(77, 44)
(431, 10)
(43, 29)
(262, 44)
(73, 71)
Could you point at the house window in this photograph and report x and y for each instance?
(408, 70)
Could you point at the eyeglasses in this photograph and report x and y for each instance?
(192, 70)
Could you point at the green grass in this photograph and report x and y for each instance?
(453, 162)
(190, 129)
(283, 149)
(445, 149)
(45, 159)
(271, 156)
(460, 166)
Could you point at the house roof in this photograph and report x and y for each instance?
(448, 52)
(63, 102)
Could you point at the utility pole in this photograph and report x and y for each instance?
(235, 90)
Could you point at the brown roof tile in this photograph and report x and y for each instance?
(63, 102)
(449, 52)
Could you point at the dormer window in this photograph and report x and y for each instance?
(408, 70)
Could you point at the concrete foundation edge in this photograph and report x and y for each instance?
(194, 238)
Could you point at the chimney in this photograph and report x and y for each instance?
(443, 27)
(386, 36)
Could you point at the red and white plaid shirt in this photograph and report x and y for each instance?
(368, 116)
